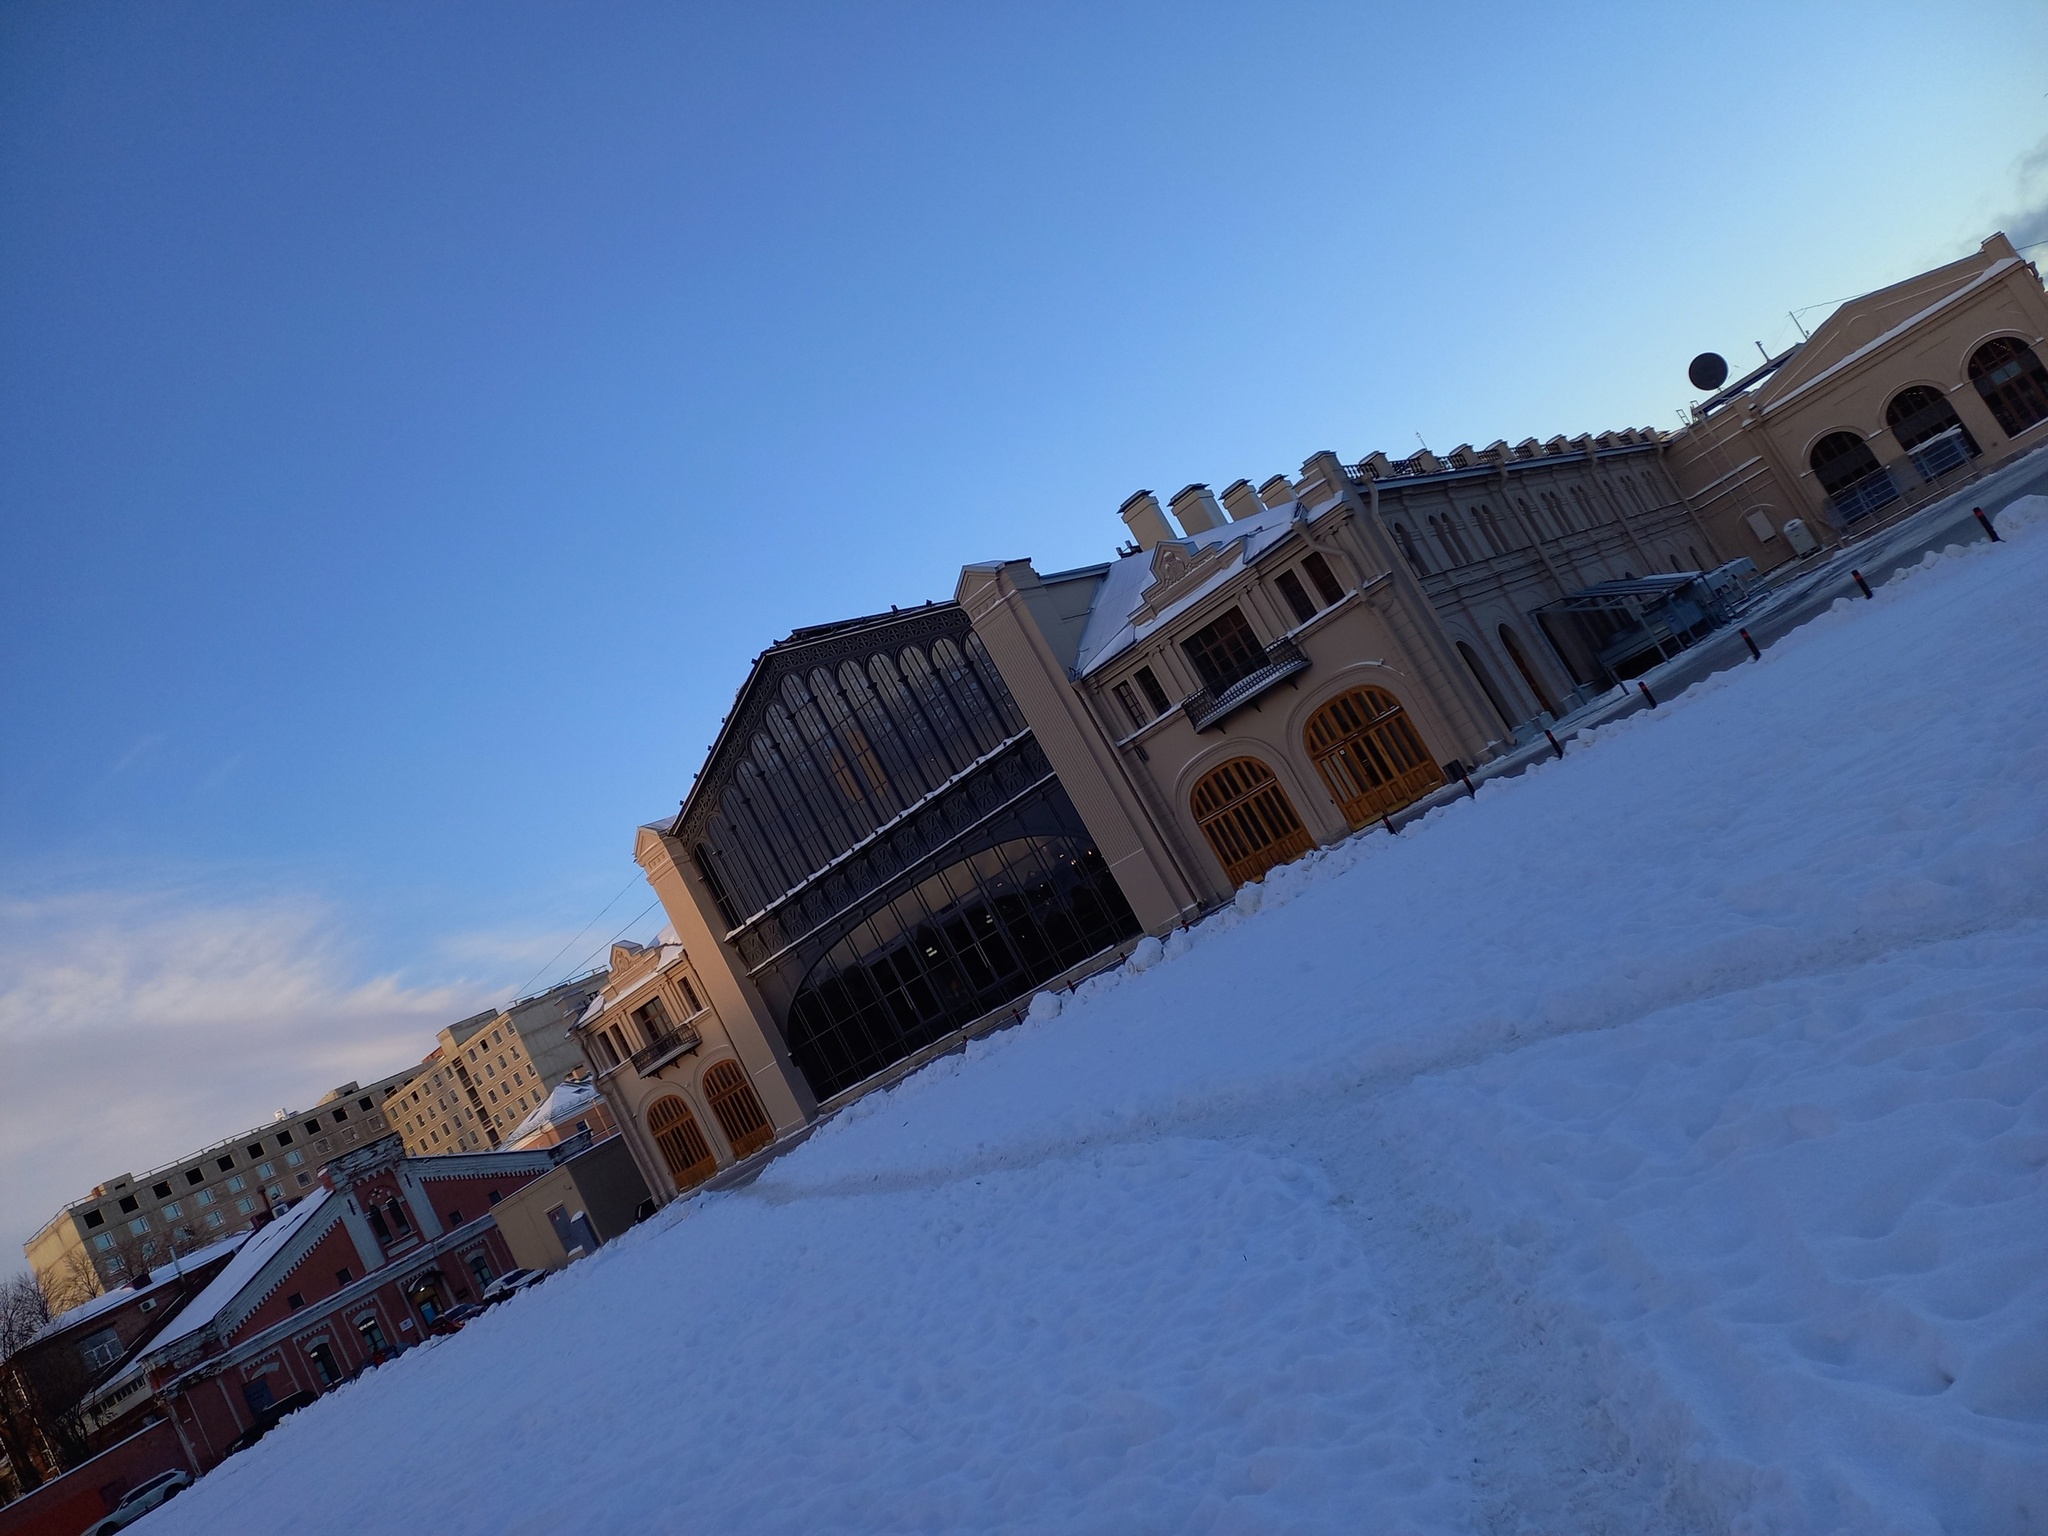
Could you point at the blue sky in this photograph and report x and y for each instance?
(414, 417)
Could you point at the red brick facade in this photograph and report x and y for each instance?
(355, 1276)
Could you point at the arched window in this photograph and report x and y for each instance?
(738, 1109)
(1839, 460)
(1408, 550)
(681, 1140)
(1535, 686)
(1248, 820)
(2012, 382)
(1921, 413)
(1485, 681)
(1369, 755)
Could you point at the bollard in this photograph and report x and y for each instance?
(1388, 825)
(1553, 744)
(1754, 653)
(1993, 532)
(1647, 694)
(1860, 582)
(1464, 778)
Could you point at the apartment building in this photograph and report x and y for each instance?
(488, 1072)
(130, 1225)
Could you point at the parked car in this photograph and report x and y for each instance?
(268, 1419)
(513, 1280)
(139, 1501)
(457, 1315)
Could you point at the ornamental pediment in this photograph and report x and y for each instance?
(1178, 569)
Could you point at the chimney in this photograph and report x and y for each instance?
(1147, 523)
(1195, 506)
(1277, 492)
(1243, 501)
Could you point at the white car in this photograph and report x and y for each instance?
(512, 1280)
(137, 1502)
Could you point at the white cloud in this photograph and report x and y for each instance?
(136, 1028)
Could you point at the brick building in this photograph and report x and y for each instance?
(355, 1273)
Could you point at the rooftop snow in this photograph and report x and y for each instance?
(1110, 630)
(244, 1267)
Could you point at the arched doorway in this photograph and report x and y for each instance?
(1529, 678)
(2013, 383)
(1248, 819)
(681, 1141)
(1485, 680)
(1923, 412)
(738, 1109)
(1369, 755)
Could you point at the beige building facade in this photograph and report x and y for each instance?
(667, 1058)
(1899, 397)
(487, 1073)
(1298, 661)
(131, 1224)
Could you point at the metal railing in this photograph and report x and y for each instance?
(1860, 498)
(650, 1059)
(1208, 706)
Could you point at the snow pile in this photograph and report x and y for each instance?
(1654, 1143)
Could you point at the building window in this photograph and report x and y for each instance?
(1529, 677)
(284, 1138)
(340, 1115)
(246, 1206)
(652, 1017)
(480, 1266)
(323, 1361)
(1408, 551)
(1296, 594)
(1484, 679)
(305, 1179)
(139, 1225)
(1148, 685)
(344, 1275)
(690, 998)
(1369, 756)
(1841, 459)
(295, 1301)
(2013, 383)
(455, 1218)
(94, 1219)
(267, 1171)
(1225, 651)
(226, 1164)
(1132, 710)
(1322, 577)
(681, 1142)
(237, 1183)
(128, 1204)
(101, 1349)
(1248, 819)
(162, 1191)
(312, 1126)
(254, 1149)
(170, 1212)
(737, 1109)
(213, 1219)
(206, 1197)
(293, 1159)
(103, 1241)
(965, 940)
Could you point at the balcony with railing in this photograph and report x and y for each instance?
(667, 1046)
(1210, 706)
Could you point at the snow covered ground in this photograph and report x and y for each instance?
(1654, 1143)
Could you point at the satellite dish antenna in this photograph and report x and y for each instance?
(1708, 371)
